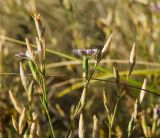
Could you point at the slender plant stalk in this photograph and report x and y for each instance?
(113, 118)
(44, 101)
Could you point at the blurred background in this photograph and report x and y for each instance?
(72, 24)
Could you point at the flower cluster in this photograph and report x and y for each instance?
(85, 52)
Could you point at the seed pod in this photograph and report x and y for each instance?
(106, 47)
(15, 102)
(15, 125)
(95, 127)
(81, 131)
(142, 94)
(23, 77)
(132, 60)
(22, 121)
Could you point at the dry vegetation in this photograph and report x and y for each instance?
(83, 68)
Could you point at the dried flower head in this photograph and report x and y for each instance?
(85, 52)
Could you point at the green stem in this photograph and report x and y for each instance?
(45, 105)
(113, 118)
(85, 68)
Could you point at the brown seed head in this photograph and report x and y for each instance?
(15, 102)
(22, 120)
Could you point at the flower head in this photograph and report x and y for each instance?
(85, 52)
(27, 55)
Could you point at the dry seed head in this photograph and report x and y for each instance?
(106, 47)
(142, 94)
(22, 121)
(83, 96)
(81, 131)
(132, 60)
(35, 127)
(95, 127)
(15, 125)
(39, 25)
(23, 76)
(133, 54)
(30, 91)
(15, 102)
(105, 102)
